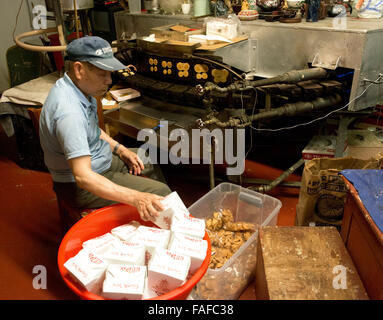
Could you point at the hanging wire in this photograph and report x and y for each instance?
(17, 19)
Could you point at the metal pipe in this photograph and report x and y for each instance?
(289, 109)
(210, 86)
(283, 176)
(293, 76)
(58, 29)
(18, 41)
(59, 20)
(288, 184)
(75, 18)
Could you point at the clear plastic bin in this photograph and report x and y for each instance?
(228, 282)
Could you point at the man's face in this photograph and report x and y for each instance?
(94, 81)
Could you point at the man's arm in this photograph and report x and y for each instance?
(132, 160)
(147, 204)
(104, 136)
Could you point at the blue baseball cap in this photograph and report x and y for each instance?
(94, 50)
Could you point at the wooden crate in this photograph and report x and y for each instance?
(171, 47)
(164, 32)
(364, 242)
(297, 263)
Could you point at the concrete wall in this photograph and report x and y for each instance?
(8, 12)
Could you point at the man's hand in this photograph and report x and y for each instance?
(131, 159)
(148, 205)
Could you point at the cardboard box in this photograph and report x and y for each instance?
(221, 27)
(320, 147)
(362, 144)
(125, 94)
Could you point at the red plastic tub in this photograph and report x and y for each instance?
(100, 222)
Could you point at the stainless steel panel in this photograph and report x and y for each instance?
(147, 113)
(281, 49)
(372, 66)
(139, 25)
(242, 55)
(355, 44)
(183, 117)
(67, 5)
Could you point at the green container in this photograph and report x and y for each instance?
(201, 8)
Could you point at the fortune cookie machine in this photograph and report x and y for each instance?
(283, 83)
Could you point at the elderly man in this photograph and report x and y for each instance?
(89, 169)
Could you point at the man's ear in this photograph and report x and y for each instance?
(79, 70)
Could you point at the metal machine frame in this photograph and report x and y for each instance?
(274, 48)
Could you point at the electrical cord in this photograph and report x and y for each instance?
(323, 117)
(365, 80)
(17, 19)
(252, 113)
(251, 133)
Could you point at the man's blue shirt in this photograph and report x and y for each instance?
(69, 129)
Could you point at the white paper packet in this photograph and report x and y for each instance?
(188, 225)
(167, 271)
(152, 238)
(193, 247)
(87, 268)
(173, 206)
(124, 282)
(123, 253)
(126, 231)
(100, 244)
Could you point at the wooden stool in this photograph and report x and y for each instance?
(70, 215)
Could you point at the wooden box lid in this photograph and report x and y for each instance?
(305, 263)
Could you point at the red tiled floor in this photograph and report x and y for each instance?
(30, 234)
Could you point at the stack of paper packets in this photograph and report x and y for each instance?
(134, 261)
